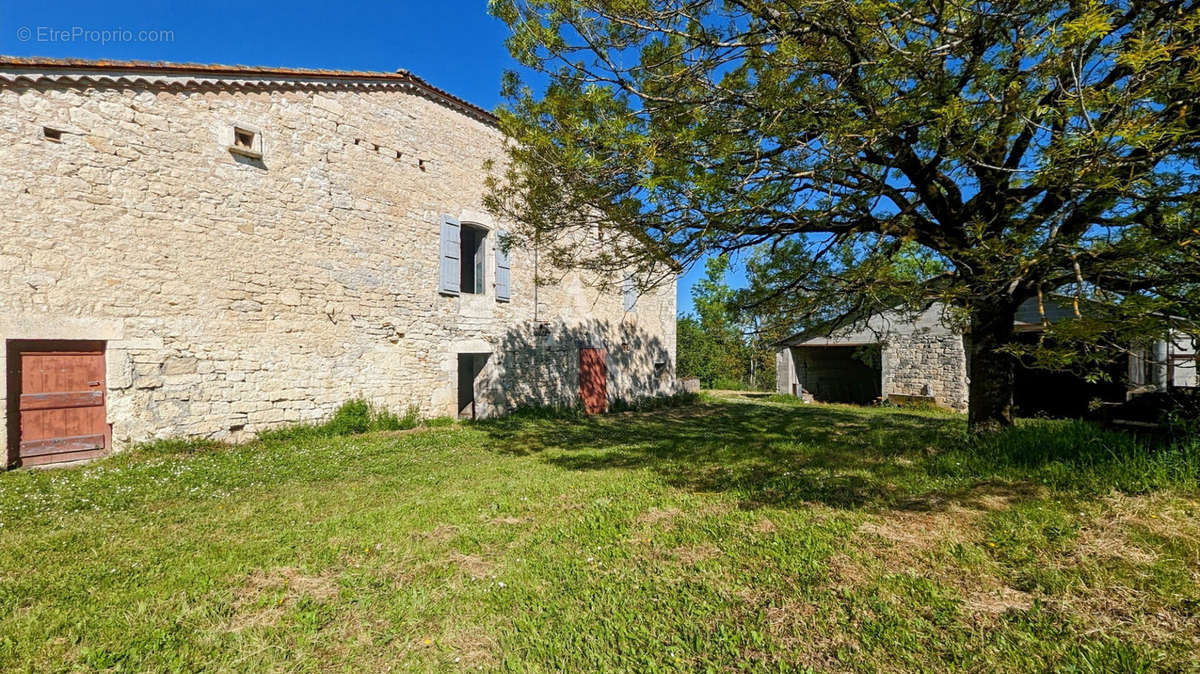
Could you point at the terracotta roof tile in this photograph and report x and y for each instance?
(217, 71)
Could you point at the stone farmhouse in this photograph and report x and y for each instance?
(198, 250)
(904, 357)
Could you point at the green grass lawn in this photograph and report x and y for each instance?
(734, 534)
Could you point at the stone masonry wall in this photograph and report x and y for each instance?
(931, 363)
(919, 356)
(236, 295)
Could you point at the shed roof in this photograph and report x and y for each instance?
(856, 329)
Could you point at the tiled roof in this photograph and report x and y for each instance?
(206, 73)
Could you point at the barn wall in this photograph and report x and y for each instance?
(920, 355)
(236, 295)
(929, 362)
(785, 370)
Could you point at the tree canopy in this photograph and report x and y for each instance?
(1020, 148)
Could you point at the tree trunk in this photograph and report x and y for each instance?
(990, 371)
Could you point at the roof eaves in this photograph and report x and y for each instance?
(147, 69)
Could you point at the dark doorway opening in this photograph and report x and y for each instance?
(840, 374)
(1048, 393)
(470, 366)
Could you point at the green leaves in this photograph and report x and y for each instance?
(1019, 144)
(1093, 22)
(719, 344)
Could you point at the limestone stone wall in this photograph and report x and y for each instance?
(236, 294)
(919, 356)
(931, 363)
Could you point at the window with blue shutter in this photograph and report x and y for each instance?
(631, 294)
(502, 273)
(448, 277)
(471, 260)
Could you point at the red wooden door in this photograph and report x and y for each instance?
(593, 380)
(61, 401)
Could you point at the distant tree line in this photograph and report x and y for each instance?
(724, 342)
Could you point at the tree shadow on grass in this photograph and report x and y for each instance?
(794, 454)
(764, 454)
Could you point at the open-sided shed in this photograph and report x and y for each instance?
(902, 355)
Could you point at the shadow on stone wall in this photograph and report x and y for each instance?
(538, 365)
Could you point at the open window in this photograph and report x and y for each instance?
(463, 268)
(243, 139)
(471, 268)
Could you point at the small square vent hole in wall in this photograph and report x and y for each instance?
(246, 143)
(243, 139)
(52, 134)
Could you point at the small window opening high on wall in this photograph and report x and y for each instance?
(243, 139)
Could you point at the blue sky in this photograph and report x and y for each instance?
(454, 44)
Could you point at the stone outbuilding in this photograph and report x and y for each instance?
(196, 250)
(906, 357)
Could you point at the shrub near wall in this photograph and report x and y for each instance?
(352, 418)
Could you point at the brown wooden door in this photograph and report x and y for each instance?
(61, 401)
(593, 380)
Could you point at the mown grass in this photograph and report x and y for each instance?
(731, 534)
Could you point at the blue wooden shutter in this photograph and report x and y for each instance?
(503, 290)
(630, 291)
(449, 271)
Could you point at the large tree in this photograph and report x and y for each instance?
(1030, 147)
